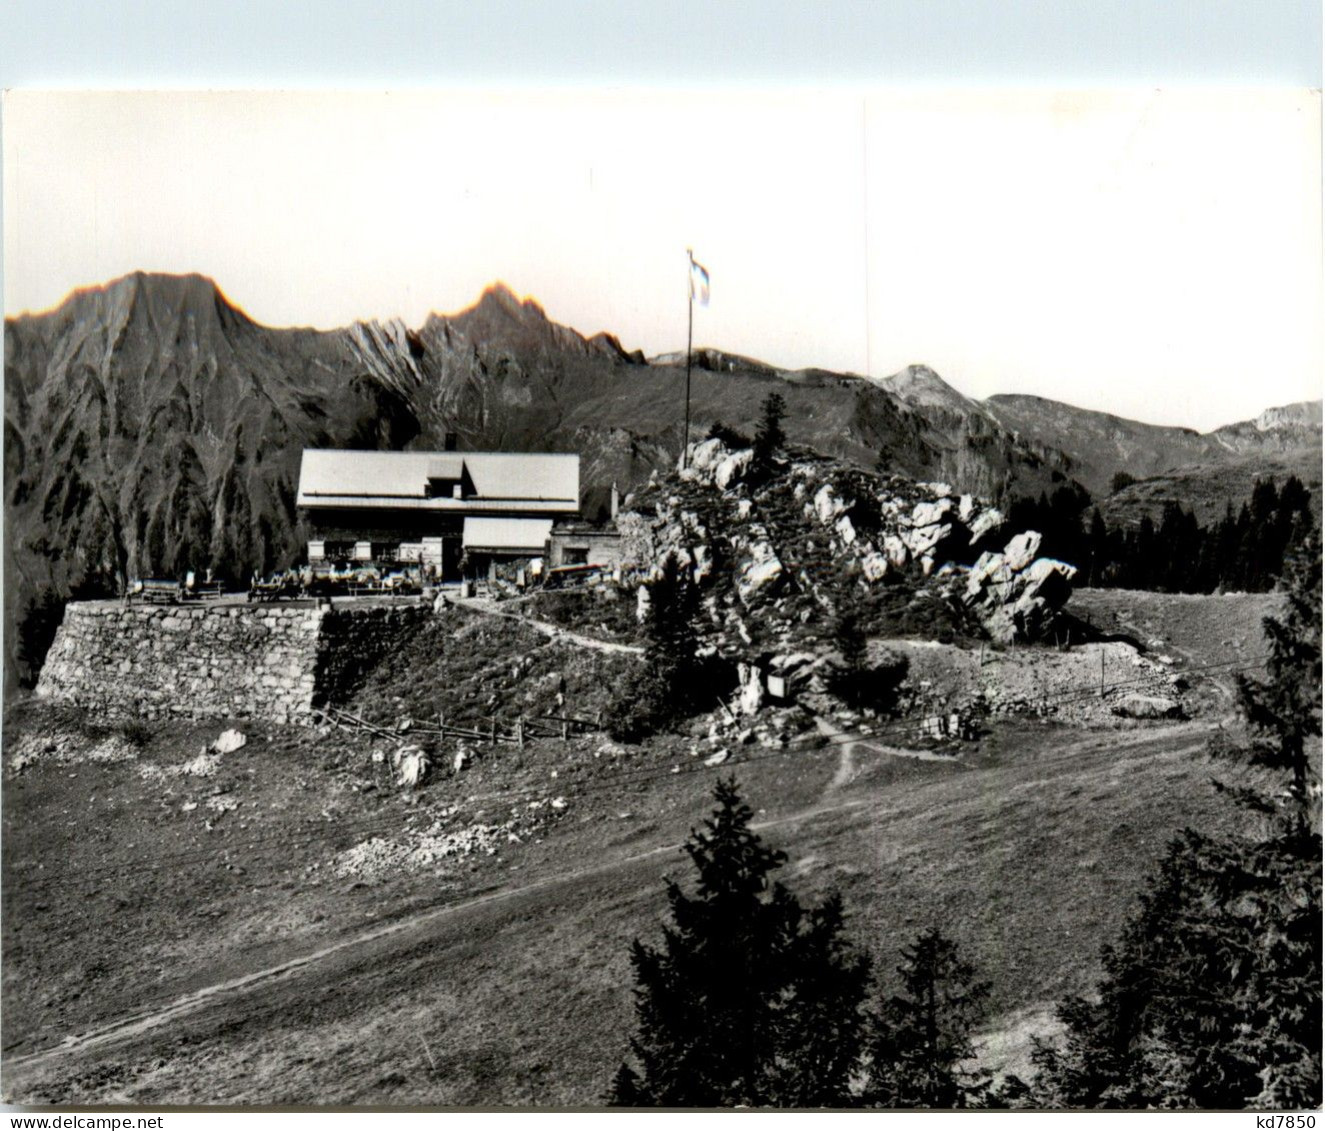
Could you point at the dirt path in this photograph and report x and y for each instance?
(409, 932)
(555, 631)
(846, 766)
(378, 962)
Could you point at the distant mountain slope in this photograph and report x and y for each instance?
(1100, 445)
(152, 427)
(1206, 489)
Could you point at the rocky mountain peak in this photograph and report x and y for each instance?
(921, 387)
(1302, 413)
(500, 312)
(151, 299)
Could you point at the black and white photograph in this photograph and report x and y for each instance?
(639, 596)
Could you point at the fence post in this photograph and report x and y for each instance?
(1101, 673)
(519, 732)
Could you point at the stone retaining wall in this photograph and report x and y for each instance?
(271, 662)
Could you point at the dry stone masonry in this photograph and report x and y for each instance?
(273, 662)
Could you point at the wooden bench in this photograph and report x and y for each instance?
(274, 590)
(156, 591)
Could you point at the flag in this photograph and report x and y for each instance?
(699, 282)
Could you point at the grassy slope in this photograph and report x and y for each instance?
(529, 998)
(1028, 851)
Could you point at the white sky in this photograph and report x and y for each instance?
(1156, 255)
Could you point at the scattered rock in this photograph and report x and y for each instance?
(229, 742)
(751, 695)
(760, 572)
(1147, 707)
(412, 765)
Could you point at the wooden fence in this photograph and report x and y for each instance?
(490, 730)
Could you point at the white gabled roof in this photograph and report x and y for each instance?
(347, 476)
(514, 534)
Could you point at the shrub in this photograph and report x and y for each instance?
(37, 625)
(870, 687)
(136, 733)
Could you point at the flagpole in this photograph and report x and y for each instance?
(690, 329)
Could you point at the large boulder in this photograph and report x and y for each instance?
(931, 513)
(924, 541)
(828, 504)
(1148, 707)
(412, 765)
(761, 571)
(711, 461)
(983, 523)
(874, 566)
(1021, 551)
(750, 696)
(1016, 595)
(701, 460)
(733, 469)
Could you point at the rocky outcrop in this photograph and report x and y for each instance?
(1017, 594)
(876, 526)
(890, 523)
(712, 462)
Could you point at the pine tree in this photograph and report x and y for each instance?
(922, 1036)
(769, 436)
(1212, 997)
(669, 684)
(751, 999)
(1098, 540)
(850, 638)
(1284, 708)
(670, 637)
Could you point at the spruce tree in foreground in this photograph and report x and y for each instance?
(751, 999)
(1283, 710)
(920, 1041)
(1212, 997)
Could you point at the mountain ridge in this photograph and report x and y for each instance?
(152, 426)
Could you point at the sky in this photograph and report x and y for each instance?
(1155, 253)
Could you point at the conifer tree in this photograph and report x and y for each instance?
(1284, 709)
(668, 684)
(922, 1036)
(751, 999)
(769, 436)
(1212, 997)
